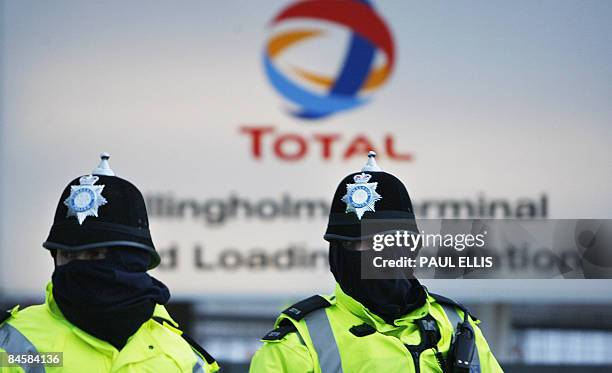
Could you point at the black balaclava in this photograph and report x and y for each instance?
(388, 208)
(389, 298)
(109, 298)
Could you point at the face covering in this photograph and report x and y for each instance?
(109, 298)
(389, 298)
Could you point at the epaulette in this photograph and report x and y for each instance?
(296, 312)
(444, 300)
(280, 332)
(303, 308)
(6, 314)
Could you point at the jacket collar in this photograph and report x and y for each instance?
(351, 305)
(102, 346)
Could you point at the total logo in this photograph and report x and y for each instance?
(357, 75)
(367, 63)
(265, 142)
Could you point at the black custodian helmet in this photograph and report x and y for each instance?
(369, 202)
(101, 210)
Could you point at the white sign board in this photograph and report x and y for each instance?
(492, 103)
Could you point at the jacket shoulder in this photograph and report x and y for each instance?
(289, 320)
(283, 351)
(32, 327)
(35, 318)
(448, 302)
(173, 335)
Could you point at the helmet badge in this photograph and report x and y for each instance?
(361, 196)
(86, 197)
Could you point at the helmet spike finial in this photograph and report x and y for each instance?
(371, 165)
(103, 168)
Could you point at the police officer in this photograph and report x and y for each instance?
(373, 325)
(103, 312)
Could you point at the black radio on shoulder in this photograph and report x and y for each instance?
(462, 349)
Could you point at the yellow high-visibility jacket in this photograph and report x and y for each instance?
(157, 347)
(344, 336)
